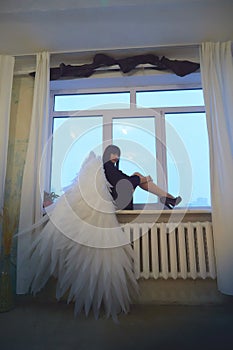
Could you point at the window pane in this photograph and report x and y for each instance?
(136, 139)
(172, 98)
(188, 158)
(73, 139)
(92, 101)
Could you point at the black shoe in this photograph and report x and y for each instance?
(170, 202)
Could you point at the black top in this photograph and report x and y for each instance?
(123, 185)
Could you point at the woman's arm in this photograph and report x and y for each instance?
(114, 175)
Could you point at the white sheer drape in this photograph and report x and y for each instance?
(217, 80)
(6, 79)
(31, 201)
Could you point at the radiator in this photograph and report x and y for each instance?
(165, 250)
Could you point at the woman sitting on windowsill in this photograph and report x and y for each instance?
(123, 186)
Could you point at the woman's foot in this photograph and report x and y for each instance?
(170, 202)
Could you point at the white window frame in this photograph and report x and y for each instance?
(132, 112)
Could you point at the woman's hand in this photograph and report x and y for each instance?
(143, 179)
(149, 178)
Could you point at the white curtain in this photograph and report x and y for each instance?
(33, 180)
(217, 80)
(6, 79)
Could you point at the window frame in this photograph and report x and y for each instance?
(110, 114)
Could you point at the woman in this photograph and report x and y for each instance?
(123, 186)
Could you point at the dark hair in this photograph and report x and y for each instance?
(107, 153)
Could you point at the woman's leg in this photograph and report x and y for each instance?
(147, 184)
(153, 188)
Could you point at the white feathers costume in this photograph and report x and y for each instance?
(80, 242)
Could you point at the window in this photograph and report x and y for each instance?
(136, 139)
(73, 138)
(188, 157)
(170, 98)
(161, 133)
(91, 101)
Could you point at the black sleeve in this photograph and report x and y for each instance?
(114, 175)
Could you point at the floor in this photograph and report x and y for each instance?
(34, 324)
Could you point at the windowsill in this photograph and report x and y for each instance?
(165, 215)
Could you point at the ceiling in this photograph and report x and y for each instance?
(29, 26)
(74, 30)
